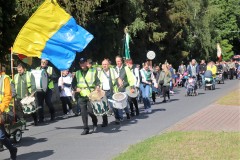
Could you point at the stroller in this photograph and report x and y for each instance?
(191, 86)
(14, 126)
(220, 77)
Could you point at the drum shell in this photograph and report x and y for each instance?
(29, 106)
(121, 103)
(41, 80)
(100, 107)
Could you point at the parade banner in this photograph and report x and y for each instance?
(52, 34)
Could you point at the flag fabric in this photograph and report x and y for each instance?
(25, 59)
(126, 46)
(52, 34)
(219, 52)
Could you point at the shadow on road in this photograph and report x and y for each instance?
(28, 141)
(34, 155)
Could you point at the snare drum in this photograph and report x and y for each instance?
(100, 107)
(119, 100)
(99, 103)
(41, 79)
(29, 105)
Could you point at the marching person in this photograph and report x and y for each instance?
(148, 80)
(86, 81)
(108, 77)
(164, 80)
(5, 99)
(25, 86)
(125, 79)
(133, 100)
(47, 96)
(65, 90)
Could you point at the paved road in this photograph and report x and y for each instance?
(61, 140)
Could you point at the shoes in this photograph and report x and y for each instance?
(1, 149)
(164, 101)
(77, 114)
(35, 123)
(145, 111)
(149, 110)
(13, 154)
(85, 131)
(117, 121)
(169, 101)
(70, 113)
(128, 116)
(52, 117)
(40, 121)
(65, 116)
(137, 113)
(132, 114)
(104, 125)
(94, 128)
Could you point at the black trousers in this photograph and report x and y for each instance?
(165, 90)
(86, 109)
(133, 101)
(231, 73)
(47, 97)
(66, 101)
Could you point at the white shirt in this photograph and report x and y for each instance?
(105, 82)
(66, 91)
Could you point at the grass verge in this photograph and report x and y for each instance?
(186, 146)
(231, 99)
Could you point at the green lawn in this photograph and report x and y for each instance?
(186, 146)
(231, 99)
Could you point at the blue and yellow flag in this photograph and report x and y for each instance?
(52, 34)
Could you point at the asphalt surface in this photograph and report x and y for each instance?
(61, 140)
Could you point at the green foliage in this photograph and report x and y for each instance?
(227, 52)
(177, 30)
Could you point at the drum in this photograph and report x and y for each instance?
(41, 80)
(29, 105)
(119, 100)
(99, 102)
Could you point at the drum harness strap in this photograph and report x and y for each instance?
(110, 80)
(86, 82)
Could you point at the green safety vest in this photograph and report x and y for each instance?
(90, 78)
(2, 89)
(49, 71)
(113, 76)
(28, 79)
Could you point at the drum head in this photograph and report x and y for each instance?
(119, 97)
(96, 95)
(151, 55)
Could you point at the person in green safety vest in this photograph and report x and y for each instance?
(84, 82)
(5, 99)
(126, 78)
(108, 78)
(47, 96)
(25, 85)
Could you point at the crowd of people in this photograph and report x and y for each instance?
(138, 85)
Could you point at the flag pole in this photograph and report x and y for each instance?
(12, 72)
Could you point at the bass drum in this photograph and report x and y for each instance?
(119, 100)
(41, 80)
(29, 105)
